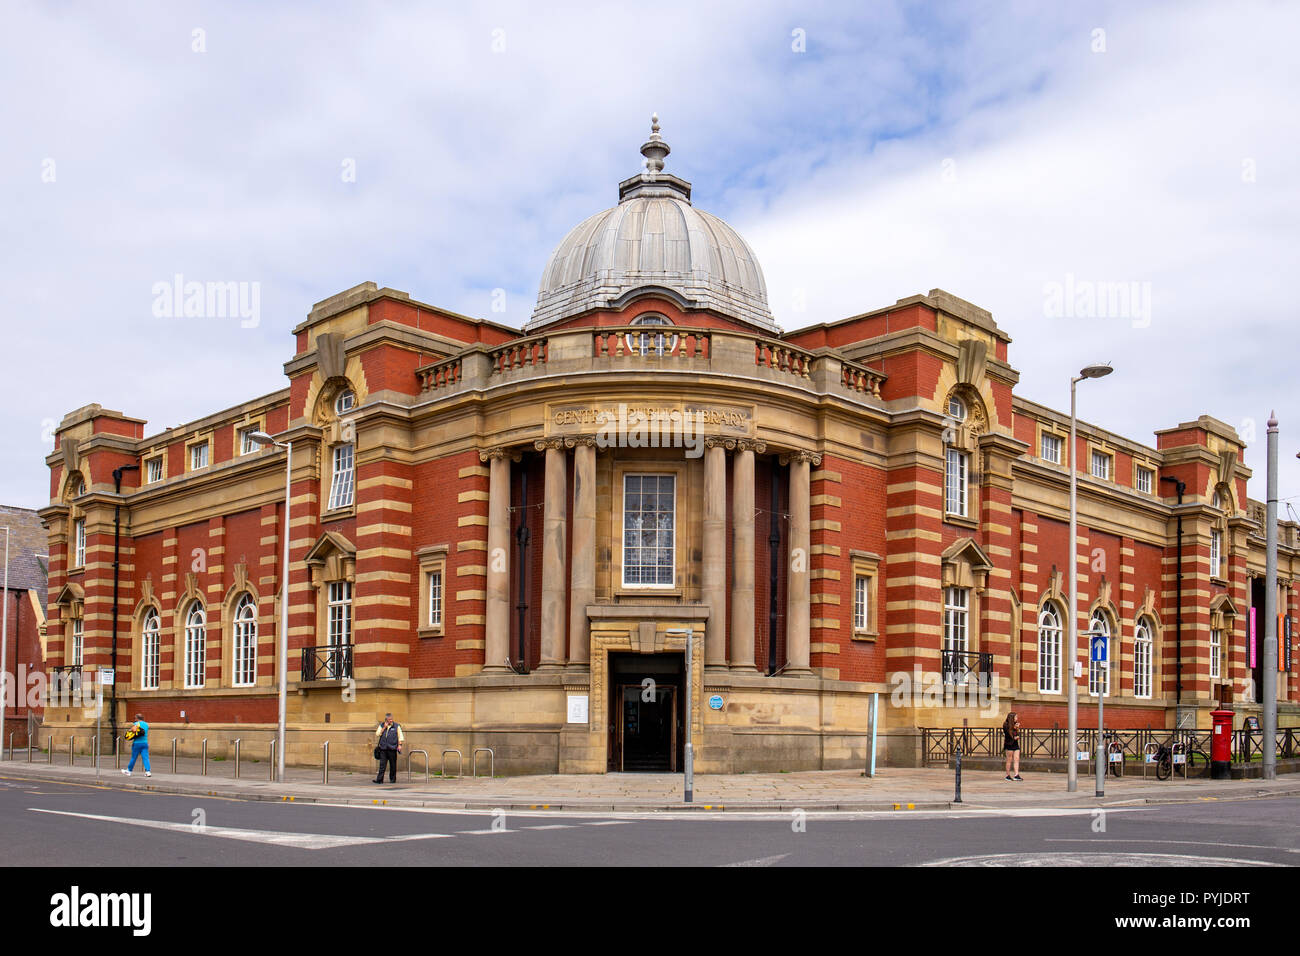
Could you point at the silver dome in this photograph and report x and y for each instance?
(654, 239)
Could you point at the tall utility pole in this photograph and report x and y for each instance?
(1269, 664)
(1072, 615)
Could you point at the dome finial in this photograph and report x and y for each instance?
(654, 149)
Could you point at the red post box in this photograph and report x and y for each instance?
(1221, 745)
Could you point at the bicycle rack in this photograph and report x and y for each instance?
(1115, 754)
(460, 763)
(1179, 752)
(1149, 754)
(492, 761)
(1086, 755)
(409, 755)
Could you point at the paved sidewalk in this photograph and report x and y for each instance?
(892, 788)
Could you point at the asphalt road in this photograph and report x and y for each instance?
(59, 824)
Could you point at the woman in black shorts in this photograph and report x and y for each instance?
(1011, 745)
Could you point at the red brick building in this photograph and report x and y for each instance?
(25, 638)
(508, 537)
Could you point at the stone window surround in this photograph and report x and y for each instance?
(199, 439)
(866, 564)
(1045, 428)
(1102, 448)
(432, 559)
(633, 466)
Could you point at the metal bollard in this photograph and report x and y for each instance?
(29, 747)
(11, 746)
(174, 755)
(49, 749)
(236, 758)
(957, 798)
(72, 760)
(204, 770)
(272, 764)
(117, 753)
(325, 776)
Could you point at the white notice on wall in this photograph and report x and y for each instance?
(577, 708)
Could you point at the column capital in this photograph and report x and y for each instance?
(751, 444)
(542, 444)
(501, 451)
(718, 441)
(801, 456)
(573, 441)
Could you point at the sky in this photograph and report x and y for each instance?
(868, 151)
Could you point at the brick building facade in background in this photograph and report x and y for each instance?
(867, 506)
(26, 598)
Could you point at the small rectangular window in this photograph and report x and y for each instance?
(79, 546)
(955, 497)
(154, 470)
(199, 456)
(78, 641)
(1216, 652)
(861, 598)
(1216, 553)
(435, 598)
(1101, 465)
(246, 444)
(1143, 481)
(341, 483)
(1051, 448)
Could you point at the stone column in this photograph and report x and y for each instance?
(798, 593)
(582, 587)
(497, 619)
(742, 555)
(713, 583)
(554, 565)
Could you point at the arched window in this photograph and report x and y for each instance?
(245, 642)
(651, 343)
(956, 408)
(1049, 650)
(196, 631)
(150, 650)
(1142, 658)
(345, 401)
(1098, 676)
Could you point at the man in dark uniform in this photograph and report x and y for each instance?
(389, 739)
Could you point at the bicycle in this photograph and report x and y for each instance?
(1196, 760)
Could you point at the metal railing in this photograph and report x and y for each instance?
(327, 662)
(938, 744)
(959, 666)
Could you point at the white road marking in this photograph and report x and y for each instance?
(1239, 846)
(299, 841)
(1094, 860)
(761, 861)
(552, 826)
(481, 832)
(607, 823)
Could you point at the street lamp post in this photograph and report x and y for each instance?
(282, 638)
(1072, 771)
(689, 634)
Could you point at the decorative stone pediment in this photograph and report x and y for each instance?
(1222, 612)
(1055, 590)
(332, 558)
(966, 565)
(72, 593)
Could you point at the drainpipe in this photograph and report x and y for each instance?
(1180, 487)
(774, 571)
(117, 547)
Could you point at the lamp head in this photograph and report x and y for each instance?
(1100, 370)
(262, 438)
